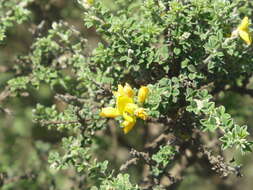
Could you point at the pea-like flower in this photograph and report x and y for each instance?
(143, 94)
(243, 31)
(124, 91)
(126, 107)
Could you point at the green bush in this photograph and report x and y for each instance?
(189, 54)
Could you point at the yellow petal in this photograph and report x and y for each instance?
(245, 36)
(143, 94)
(128, 117)
(109, 112)
(244, 24)
(140, 112)
(122, 101)
(128, 126)
(128, 90)
(130, 108)
(124, 91)
(121, 90)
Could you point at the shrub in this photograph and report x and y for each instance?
(186, 53)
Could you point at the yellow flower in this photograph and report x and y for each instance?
(128, 126)
(244, 24)
(140, 112)
(133, 110)
(121, 103)
(130, 113)
(130, 108)
(128, 90)
(143, 94)
(109, 112)
(243, 31)
(126, 107)
(129, 120)
(124, 91)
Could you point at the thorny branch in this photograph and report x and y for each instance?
(218, 164)
(57, 122)
(68, 98)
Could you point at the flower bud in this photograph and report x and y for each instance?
(243, 31)
(143, 94)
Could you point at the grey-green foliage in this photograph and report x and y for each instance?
(47, 114)
(119, 182)
(78, 156)
(162, 158)
(174, 47)
(216, 117)
(163, 96)
(11, 13)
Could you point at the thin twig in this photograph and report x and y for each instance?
(67, 98)
(125, 166)
(57, 122)
(5, 94)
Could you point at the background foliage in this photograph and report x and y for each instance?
(60, 62)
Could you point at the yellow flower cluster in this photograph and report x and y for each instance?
(126, 107)
(243, 31)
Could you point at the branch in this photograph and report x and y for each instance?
(218, 164)
(141, 155)
(136, 156)
(4, 94)
(43, 122)
(67, 98)
(125, 166)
